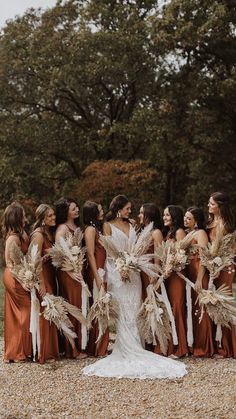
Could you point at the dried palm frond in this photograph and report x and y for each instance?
(219, 304)
(153, 320)
(218, 255)
(110, 247)
(173, 256)
(104, 311)
(68, 254)
(143, 242)
(26, 268)
(56, 310)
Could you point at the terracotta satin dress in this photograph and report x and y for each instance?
(49, 333)
(228, 349)
(70, 289)
(17, 336)
(203, 345)
(99, 349)
(175, 288)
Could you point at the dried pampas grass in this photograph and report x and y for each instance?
(218, 255)
(68, 254)
(219, 304)
(26, 268)
(153, 320)
(56, 310)
(104, 312)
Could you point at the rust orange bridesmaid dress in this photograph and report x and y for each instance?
(227, 349)
(99, 349)
(203, 345)
(71, 290)
(175, 288)
(17, 336)
(49, 348)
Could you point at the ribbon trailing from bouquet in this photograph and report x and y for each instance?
(34, 323)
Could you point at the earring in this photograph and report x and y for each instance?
(43, 224)
(195, 226)
(118, 214)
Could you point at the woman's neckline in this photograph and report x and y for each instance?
(126, 235)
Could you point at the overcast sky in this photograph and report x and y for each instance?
(10, 8)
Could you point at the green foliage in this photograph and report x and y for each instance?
(122, 80)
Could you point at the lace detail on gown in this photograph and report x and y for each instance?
(129, 359)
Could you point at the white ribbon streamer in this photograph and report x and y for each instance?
(219, 335)
(84, 309)
(169, 310)
(189, 316)
(34, 323)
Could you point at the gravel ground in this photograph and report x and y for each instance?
(58, 390)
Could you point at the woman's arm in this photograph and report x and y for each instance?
(62, 231)
(10, 240)
(90, 236)
(202, 241)
(37, 238)
(180, 234)
(107, 229)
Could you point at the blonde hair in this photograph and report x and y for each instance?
(40, 214)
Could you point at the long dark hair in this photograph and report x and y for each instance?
(62, 208)
(199, 216)
(40, 214)
(13, 219)
(117, 203)
(152, 213)
(177, 217)
(90, 215)
(223, 201)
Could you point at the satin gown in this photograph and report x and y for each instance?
(71, 290)
(203, 345)
(175, 288)
(228, 346)
(49, 333)
(93, 349)
(129, 359)
(17, 337)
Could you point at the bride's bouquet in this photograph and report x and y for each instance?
(154, 321)
(133, 258)
(218, 255)
(27, 270)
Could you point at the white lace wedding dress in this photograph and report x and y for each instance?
(129, 359)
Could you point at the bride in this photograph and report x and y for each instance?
(129, 359)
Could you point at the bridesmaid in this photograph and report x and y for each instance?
(148, 213)
(67, 221)
(17, 337)
(93, 220)
(175, 286)
(194, 220)
(43, 236)
(221, 221)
